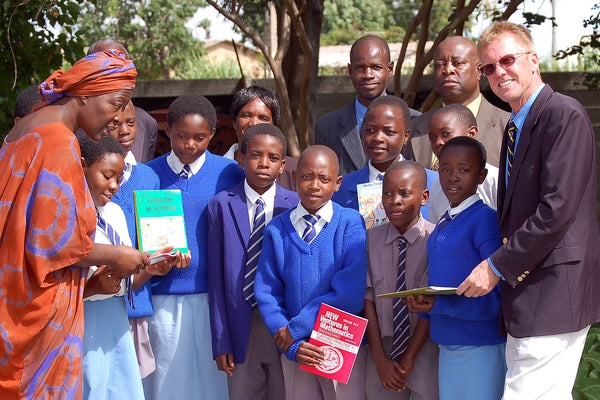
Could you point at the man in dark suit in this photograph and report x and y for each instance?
(456, 77)
(369, 68)
(547, 266)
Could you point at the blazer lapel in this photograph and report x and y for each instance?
(239, 212)
(350, 137)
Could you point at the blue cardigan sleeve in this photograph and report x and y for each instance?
(269, 287)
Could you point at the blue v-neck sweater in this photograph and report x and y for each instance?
(294, 277)
(142, 178)
(217, 174)
(471, 237)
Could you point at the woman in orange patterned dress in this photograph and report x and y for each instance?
(47, 218)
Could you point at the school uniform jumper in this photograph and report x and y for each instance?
(466, 328)
(295, 277)
(180, 327)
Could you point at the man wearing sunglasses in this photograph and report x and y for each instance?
(547, 266)
(456, 77)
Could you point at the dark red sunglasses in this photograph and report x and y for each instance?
(505, 62)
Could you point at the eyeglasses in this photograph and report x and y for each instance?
(505, 62)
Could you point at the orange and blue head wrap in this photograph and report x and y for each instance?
(96, 74)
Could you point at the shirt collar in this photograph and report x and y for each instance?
(360, 110)
(519, 118)
(466, 203)
(410, 235)
(473, 106)
(325, 212)
(130, 158)
(268, 196)
(373, 172)
(176, 164)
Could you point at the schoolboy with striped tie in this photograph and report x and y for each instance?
(312, 254)
(237, 218)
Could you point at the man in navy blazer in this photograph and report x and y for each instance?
(547, 266)
(230, 314)
(369, 68)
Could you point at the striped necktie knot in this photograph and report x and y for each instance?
(379, 177)
(186, 172)
(310, 232)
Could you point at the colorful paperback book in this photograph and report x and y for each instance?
(430, 290)
(159, 220)
(369, 203)
(339, 334)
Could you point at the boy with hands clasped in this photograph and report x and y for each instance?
(401, 359)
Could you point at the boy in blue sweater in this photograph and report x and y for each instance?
(312, 254)
(472, 361)
(236, 221)
(385, 130)
(180, 327)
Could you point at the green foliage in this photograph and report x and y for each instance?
(344, 21)
(153, 31)
(587, 382)
(35, 38)
(196, 67)
(442, 12)
(588, 49)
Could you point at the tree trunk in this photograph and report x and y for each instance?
(301, 79)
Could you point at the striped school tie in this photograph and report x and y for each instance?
(254, 249)
(400, 311)
(310, 232)
(116, 240)
(379, 177)
(510, 145)
(445, 220)
(186, 172)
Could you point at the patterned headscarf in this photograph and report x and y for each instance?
(96, 74)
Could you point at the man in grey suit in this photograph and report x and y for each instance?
(456, 77)
(548, 265)
(369, 68)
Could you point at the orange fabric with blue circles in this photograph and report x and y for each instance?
(47, 222)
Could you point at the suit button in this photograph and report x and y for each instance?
(526, 272)
(505, 240)
(520, 279)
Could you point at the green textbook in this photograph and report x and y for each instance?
(159, 220)
(430, 290)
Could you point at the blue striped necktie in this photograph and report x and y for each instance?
(379, 177)
(510, 145)
(445, 220)
(254, 249)
(186, 172)
(116, 240)
(400, 311)
(310, 232)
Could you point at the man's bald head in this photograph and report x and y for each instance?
(367, 42)
(456, 72)
(107, 44)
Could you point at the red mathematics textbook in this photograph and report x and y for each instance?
(339, 334)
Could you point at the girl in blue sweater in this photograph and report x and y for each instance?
(180, 327)
(472, 363)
